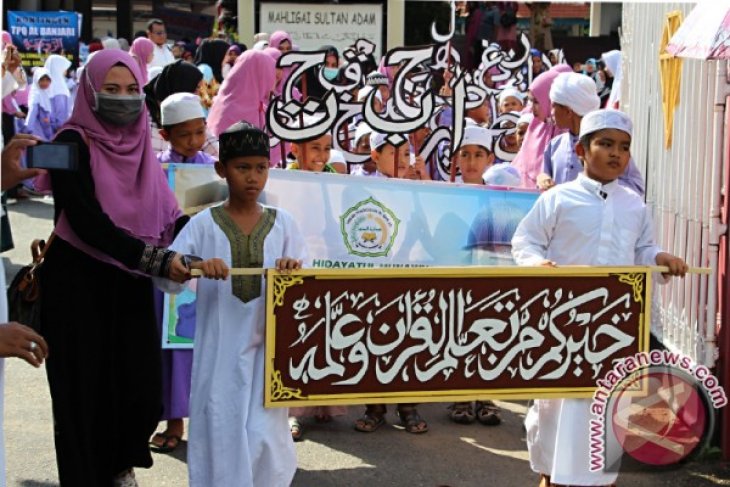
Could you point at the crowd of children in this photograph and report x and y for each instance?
(556, 140)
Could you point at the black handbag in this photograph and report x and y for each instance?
(24, 293)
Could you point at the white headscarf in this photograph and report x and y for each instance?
(39, 97)
(612, 60)
(575, 91)
(57, 66)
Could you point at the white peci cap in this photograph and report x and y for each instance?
(503, 174)
(476, 135)
(377, 140)
(513, 92)
(605, 119)
(361, 131)
(181, 107)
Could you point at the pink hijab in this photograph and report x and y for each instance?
(129, 183)
(244, 94)
(278, 37)
(140, 51)
(274, 42)
(6, 39)
(540, 131)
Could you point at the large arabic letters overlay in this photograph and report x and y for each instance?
(412, 334)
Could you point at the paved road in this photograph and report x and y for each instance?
(332, 455)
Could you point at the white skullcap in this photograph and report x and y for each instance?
(377, 140)
(362, 130)
(375, 79)
(575, 91)
(365, 91)
(513, 92)
(605, 119)
(260, 45)
(336, 156)
(503, 174)
(181, 107)
(476, 135)
(525, 118)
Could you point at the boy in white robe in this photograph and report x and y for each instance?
(589, 221)
(233, 440)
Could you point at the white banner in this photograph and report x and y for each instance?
(313, 25)
(351, 222)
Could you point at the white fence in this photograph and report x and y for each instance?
(683, 183)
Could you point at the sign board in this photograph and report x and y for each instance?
(449, 334)
(37, 35)
(313, 25)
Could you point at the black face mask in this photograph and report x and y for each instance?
(119, 109)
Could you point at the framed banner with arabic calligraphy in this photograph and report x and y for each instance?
(449, 334)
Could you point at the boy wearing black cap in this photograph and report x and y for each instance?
(233, 440)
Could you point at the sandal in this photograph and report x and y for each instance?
(462, 413)
(296, 429)
(168, 445)
(411, 420)
(370, 421)
(488, 413)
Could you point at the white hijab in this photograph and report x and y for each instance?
(57, 66)
(612, 60)
(39, 97)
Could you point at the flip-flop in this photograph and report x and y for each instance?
(369, 422)
(488, 413)
(165, 447)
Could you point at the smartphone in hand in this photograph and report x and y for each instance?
(61, 156)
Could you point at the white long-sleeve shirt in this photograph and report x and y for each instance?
(582, 222)
(574, 224)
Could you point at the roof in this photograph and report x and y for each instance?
(578, 10)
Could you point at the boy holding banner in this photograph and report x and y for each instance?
(589, 221)
(234, 441)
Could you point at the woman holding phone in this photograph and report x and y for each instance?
(97, 312)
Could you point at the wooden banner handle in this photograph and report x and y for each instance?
(691, 270)
(256, 271)
(236, 271)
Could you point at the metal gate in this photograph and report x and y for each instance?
(684, 182)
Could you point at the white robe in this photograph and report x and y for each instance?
(161, 57)
(573, 224)
(233, 440)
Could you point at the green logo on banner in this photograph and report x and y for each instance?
(369, 229)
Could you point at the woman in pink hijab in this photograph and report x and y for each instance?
(282, 41)
(143, 50)
(114, 216)
(244, 94)
(541, 130)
